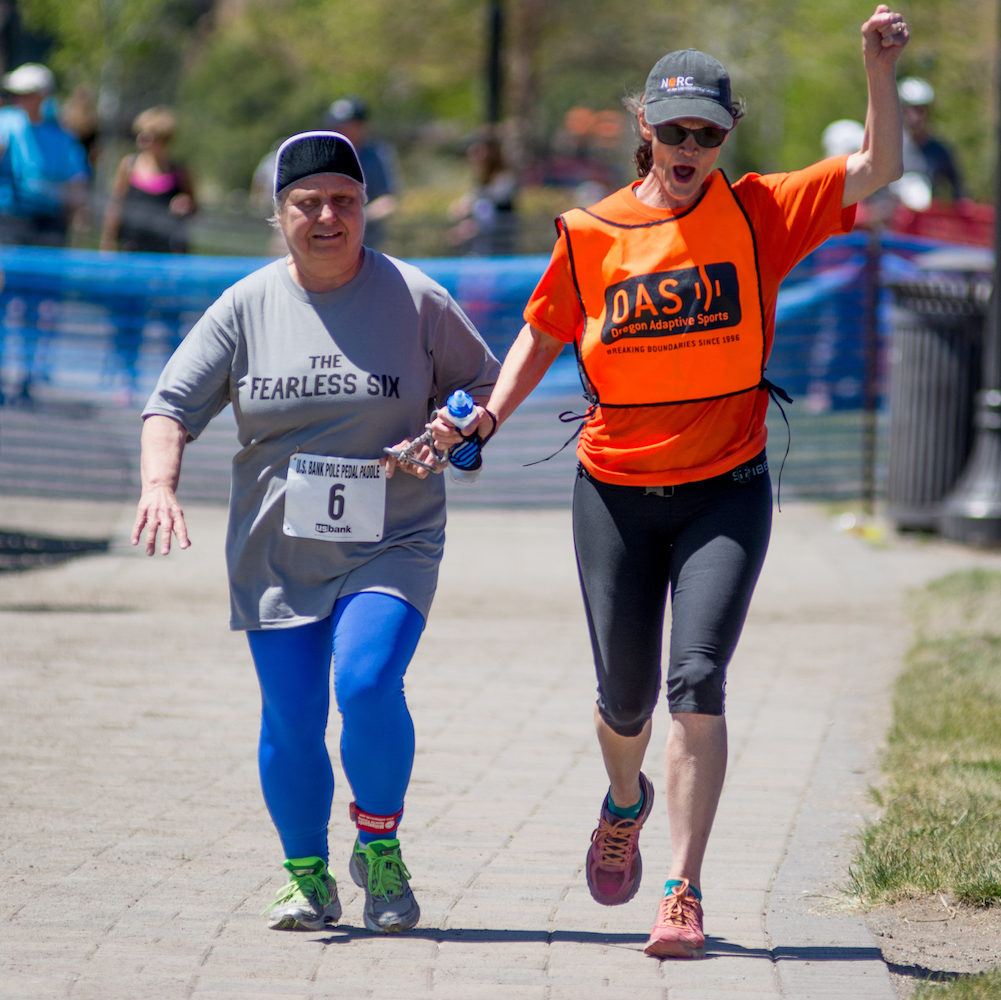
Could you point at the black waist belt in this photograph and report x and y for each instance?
(743, 473)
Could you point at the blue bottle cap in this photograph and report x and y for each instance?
(460, 404)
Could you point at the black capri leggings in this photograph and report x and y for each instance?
(701, 543)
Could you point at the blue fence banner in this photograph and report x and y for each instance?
(87, 333)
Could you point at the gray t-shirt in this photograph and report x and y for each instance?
(343, 373)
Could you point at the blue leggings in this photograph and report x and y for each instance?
(372, 638)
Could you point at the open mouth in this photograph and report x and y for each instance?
(684, 174)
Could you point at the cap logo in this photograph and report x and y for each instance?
(688, 83)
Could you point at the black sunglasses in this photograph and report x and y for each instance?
(708, 137)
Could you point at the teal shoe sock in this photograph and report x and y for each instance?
(672, 882)
(630, 812)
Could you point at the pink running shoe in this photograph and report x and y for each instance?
(614, 866)
(678, 931)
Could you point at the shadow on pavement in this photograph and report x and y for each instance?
(715, 947)
(19, 550)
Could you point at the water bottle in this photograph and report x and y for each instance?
(465, 457)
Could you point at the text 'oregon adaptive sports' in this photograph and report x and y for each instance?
(670, 303)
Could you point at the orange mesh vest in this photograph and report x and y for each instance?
(672, 308)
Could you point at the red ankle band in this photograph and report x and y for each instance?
(374, 824)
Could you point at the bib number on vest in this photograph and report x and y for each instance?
(335, 499)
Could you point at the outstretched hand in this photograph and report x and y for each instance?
(159, 513)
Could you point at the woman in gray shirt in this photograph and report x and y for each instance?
(326, 357)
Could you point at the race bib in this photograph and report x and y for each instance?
(335, 499)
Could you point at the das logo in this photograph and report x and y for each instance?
(672, 303)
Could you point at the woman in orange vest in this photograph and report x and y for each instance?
(667, 290)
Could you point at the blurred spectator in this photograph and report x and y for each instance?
(924, 154)
(44, 177)
(832, 364)
(78, 115)
(149, 208)
(262, 186)
(43, 168)
(485, 222)
(349, 116)
(842, 138)
(586, 154)
(152, 198)
(263, 181)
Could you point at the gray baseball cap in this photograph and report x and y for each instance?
(688, 84)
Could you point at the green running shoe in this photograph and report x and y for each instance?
(309, 902)
(378, 868)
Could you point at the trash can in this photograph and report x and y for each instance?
(935, 372)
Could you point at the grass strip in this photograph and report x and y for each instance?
(939, 829)
(984, 986)
(940, 823)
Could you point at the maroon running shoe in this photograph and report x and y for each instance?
(614, 866)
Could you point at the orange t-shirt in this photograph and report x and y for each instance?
(790, 214)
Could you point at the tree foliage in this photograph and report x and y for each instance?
(285, 61)
(129, 52)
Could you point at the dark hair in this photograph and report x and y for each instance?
(643, 155)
